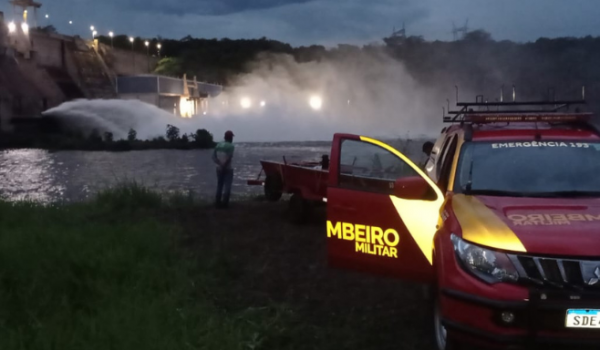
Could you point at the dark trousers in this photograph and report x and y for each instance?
(224, 181)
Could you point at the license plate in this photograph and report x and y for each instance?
(583, 318)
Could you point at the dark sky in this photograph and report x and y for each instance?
(327, 22)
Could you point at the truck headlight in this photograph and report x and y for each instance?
(489, 265)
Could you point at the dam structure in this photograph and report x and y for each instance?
(40, 69)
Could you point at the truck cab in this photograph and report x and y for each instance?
(502, 223)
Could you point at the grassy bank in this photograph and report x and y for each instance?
(111, 274)
(135, 270)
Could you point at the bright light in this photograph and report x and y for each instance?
(47, 16)
(186, 108)
(246, 103)
(25, 27)
(204, 113)
(94, 33)
(316, 102)
(70, 22)
(263, 103)
(147, 43)
(131, 39)
(92, 28)
(111, 34)
(159, 46)
(12, 27)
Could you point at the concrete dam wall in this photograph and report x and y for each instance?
(40, 70)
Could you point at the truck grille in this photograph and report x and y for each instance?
(559, 273)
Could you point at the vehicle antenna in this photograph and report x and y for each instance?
(456, 87)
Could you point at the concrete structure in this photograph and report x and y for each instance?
(40, 70)
(181, 97)
(126, 62)
(25, 89)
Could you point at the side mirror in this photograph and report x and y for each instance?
(414, 187)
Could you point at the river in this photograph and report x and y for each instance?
(48, 177)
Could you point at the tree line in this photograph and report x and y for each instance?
(73, 139)
(476, 63)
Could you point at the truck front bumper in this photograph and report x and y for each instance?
(538, 321)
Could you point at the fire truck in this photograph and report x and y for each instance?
(502, 222)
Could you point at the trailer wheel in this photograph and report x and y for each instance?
(273, 188)
(298, 210)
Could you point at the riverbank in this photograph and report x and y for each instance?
(132, 269)
(73, 140)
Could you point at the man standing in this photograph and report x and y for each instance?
(427, 149)
(222, 156)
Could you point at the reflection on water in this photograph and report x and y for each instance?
(73, 176)
(30, 175)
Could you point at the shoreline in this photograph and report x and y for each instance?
(74, 140)
(242, 277)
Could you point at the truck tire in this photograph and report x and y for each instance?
(440, 335)
(273, 188)
(439, 331)
(298, 209)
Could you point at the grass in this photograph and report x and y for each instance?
(134, 269)
(111, 274)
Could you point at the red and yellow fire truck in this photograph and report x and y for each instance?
(503, 222)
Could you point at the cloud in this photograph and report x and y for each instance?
(203, 7)
(324, 22)
(330, 22)
(304, 22)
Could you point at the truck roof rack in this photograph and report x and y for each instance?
(483, 111)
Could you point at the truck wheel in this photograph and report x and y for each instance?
(273, 188)
(298, 210)
(441, 335)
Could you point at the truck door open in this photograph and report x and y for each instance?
(382, 210)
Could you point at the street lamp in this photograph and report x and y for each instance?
(94, 34)
(92, 28)
(111, 34)
(147, 55)
(131, 39)
(12, 27)
(158, 46)
(47, 16)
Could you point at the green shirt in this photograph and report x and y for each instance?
(224, 153)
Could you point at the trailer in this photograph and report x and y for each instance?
(306, 182)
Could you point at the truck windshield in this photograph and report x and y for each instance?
(529, 169)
